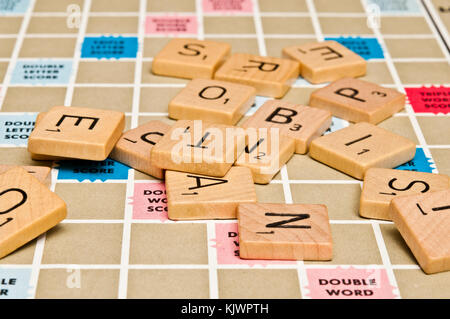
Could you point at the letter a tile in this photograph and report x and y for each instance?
(270, 76)
(27, 209)
(284, 231)
(298, 122)
(191, 196)
(424, 223)
(75, 132)
(381, 185)
(134, 147)
(355, 149)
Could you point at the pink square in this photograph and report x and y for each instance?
(227, 246)
(349, 283)
(171, 24)
(150, 201)
(429, 99)
(227, 6)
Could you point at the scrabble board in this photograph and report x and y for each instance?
(117, 241)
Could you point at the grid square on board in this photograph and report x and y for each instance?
(258, 283)
(303, 167)
(229, 25)
(170, 6)
(342, 25)
(430, 72)
(49, 25)
(115, 6)
(6, 47)
(56, 6)
(341, 6)
(413, 48)
(399, 253)
(168, 283)
(94, 284)
(342, 200)
(149, 77)
(10, 25)
(400, 125)
(298, 95)
(436, 130)
(404, 25)
(105, 72)
(112, 25)
(152, 46)
(287, 25)
(33, 99)
(271, 193)
(22, 256)
(378, 72)
(183, 244)
(353, 244)
(283, 6)
(414, 284)
(156, 99)
(244, 45)
(47, 47)
(3, 68)
(441, 157)
(83, 243)
(107, 98)
(108, 202)
(275, 46)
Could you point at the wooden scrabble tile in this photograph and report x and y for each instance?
(424, 222)
(301, 123)
(41, 173)
(75, 132)
(381, 185)
(265, 153)
(134, 147)
(358, 101)
(355, 149)
(270, 76)
(27, 209)
(326, 61)
(40, 157)
(213, 101)
(284, 231)
(199, 147)
(191, 196)
(190, 58)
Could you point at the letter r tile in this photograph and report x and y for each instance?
(74, 132)
(297, 122)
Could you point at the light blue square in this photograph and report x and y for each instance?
(16, 128)
(42, 72)
(15, 283)
(14, 6)
(396, 6)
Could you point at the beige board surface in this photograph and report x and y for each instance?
(326, 61)
(76, 132)
(284, 231)
(358, 101)
(424, 223)
(381, 185)
(28, 209)
(190, 58)
(134, 147)
(270, 76)
(213, 101)
(295, 121)
(355, 149)
(199, 147)
(191, 196)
